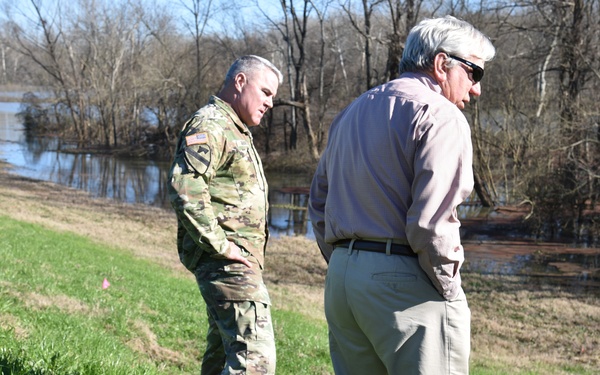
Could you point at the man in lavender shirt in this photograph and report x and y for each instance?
(383, 206)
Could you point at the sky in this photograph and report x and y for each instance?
(228, 15)
(231, 14)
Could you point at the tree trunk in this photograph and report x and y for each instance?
(312, 143)
(482, 192)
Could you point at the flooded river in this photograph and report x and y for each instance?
(140, 181)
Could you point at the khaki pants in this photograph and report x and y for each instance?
(385, 317)
(240, 337)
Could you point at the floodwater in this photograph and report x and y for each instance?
(144, 182)
(130, 181)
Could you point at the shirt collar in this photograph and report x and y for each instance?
(425, 79)
(226, 107)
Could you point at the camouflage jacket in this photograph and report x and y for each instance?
(217, 187)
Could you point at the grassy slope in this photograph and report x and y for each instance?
(516, 328)
(56, 313)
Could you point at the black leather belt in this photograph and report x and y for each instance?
(377, 247)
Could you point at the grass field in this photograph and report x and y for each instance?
(56, 316)
(58, 245)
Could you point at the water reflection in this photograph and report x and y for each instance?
(130, 181)
(288, 202)
(288, 214)
(100, 175)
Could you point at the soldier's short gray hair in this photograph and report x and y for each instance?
(249, 64)
(447, 34)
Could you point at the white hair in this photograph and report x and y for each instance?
(447, 34)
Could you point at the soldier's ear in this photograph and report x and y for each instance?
(240, 81)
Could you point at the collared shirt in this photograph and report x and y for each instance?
(398, 162)
(217, 187)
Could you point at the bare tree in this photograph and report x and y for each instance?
(364, 28)
(403, 15)
(201, 12)
(54, 54)
(535, 137)
(294, 31)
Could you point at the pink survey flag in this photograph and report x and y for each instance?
(105, 284)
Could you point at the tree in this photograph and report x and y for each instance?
(400, 13)
(545, 149)
(364, 28)
(294, 30)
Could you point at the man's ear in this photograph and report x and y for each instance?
(240, 81)
(440, 70)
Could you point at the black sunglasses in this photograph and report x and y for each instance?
(477, 71)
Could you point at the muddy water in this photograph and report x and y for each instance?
(538, 264)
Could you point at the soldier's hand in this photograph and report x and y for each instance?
(235, 254)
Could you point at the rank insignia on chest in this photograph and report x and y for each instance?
(196, 139)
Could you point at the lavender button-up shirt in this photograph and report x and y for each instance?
(397, 164)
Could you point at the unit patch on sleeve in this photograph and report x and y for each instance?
(198, 158)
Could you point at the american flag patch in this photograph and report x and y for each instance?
(196, 139)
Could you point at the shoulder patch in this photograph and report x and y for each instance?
(198, 159)
(196, 139)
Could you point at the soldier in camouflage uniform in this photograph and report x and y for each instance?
(219, 192)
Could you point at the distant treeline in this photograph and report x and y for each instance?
(126, 75)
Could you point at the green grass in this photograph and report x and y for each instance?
(55, 318)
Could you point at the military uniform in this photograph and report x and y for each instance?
(219, 192)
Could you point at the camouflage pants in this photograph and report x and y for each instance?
(240, 337)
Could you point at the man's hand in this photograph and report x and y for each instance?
(235, 254)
